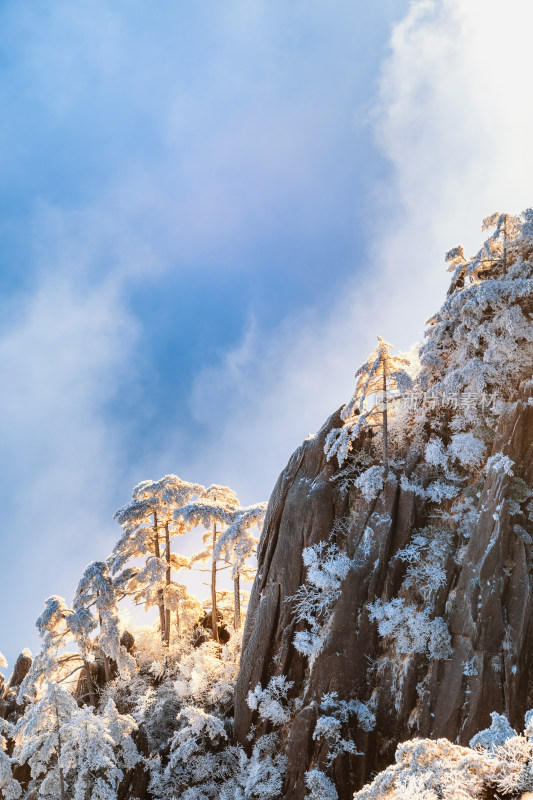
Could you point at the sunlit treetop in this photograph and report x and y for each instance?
(381, 373)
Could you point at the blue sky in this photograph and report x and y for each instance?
(209, 210)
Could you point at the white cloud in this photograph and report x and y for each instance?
(62, 356)
(455, 120)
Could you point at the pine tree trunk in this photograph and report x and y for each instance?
(504, 259)
(161, 604)
(90, 685)
(214, 614)
(167, 612)
(237, 601)
(107, 667)
(385, 427)
(61, 776)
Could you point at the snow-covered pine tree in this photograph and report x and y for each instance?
(10, 788)
(491, 260)
(95, 749)
(236, 545)
(97, 590)
(38, 742)
(214, 511)
(479, 345)
(380, 375)
(148, 516)
(58, 625)
(186, 607)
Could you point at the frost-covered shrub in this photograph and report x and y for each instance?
(481, 339)
(157, 709)
(320, 786)
(436, 454)
(427, 769)
(411, 630)
(335, 714)
(464, 449)
(497, 759)
(201, 760)
(261, 776)
(501, 464)
(491, 738)
(271, 703)
(95, 749)
(467, 449)
(10, 788)
(327, 567)
(437, 491)
(370, 482)
(426, 556)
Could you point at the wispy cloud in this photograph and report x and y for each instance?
(60, 354)
(453, 121)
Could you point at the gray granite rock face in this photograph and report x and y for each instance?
(486, 603)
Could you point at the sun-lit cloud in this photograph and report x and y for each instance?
(60, 354)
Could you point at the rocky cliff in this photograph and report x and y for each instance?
(485, 599)
(394, 574)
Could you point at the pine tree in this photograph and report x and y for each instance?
(480, 342)
(213, 511)
(380, 375)
(58, 625)
(38, 740)
(97, 590)
(236, 545)
(95, 749)
(144, 520)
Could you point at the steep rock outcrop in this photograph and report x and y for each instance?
(486, 602)
(9, 708)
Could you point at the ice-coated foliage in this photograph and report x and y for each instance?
(426, 556)
(370, 482)
(237, 543)
(94, 750)
(426, 770)
(37, 735)
(271, 703)
(10, 788)
(381, 373)
(97, 590)
(491, 738)
(261, 776)
(319, 786)
(327, 567)
(200, 762)
(331, 724)
(411, 630)
(497, 759)
(501, 464)
(481, 340)
(467, 449)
